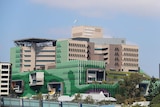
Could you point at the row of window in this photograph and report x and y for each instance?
(77, 50)
(129, 49)
(27, 50)
(103, 49)
(41, 55)
(116, 59)
(45, 60)
(131, 59)
(76, 55)
(116, 64)
(130, 54)
(130, 64)
(46, 51)
(77, 45)
(45, 56)
(116, 49)
(40, 61)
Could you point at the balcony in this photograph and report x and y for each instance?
(55, 88)
(36, 79)
(17, 86)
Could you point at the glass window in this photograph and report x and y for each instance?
(5, 67)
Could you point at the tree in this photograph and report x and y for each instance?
(38, 96)
(154, 89)
(13, 93)
(89, 100)
(77, 98)
(155, 102)
(129, 89)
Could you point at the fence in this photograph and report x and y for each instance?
(16, 102)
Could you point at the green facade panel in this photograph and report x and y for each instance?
(71, 74)
(15, 59)
(61, 51)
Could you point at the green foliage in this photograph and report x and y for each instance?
(120, 98)
(77, 98)
(154, 89)
(89, 100)
(151, 89)
(138, 106)
(129, 90)
(38, 96)
(155, 101)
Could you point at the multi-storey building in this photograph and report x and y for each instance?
(5, 78)
(87, 44)
(123, 58)
(75, 64)
(33, 53)
(115, 52)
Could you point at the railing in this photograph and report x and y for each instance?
(19, 102)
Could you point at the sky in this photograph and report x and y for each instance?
(136, 20)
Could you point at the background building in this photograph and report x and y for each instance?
(117, 55)
(5, 78)
(31, 54)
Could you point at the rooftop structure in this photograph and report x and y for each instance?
(38, 41)
(87, 32)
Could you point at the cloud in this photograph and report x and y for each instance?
(106, 7)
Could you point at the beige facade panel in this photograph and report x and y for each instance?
(87, 32)
(34, 57)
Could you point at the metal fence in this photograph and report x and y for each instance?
(16, 102)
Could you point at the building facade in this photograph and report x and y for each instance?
(123, 58)
(5, 78)
(33, 53)
(67, 78)
(115, 52)
(87, 32)
(67, 50)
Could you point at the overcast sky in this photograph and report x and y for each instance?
(136, 20)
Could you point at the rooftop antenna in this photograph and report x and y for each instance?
(75, 21)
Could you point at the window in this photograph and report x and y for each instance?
(47, 51)
(45, 55)
(27, 55)
(4, 72)
(3, 86)
(27, 60)
(45, 60)
(5, 67)
(27, 65)
(3, 90)
(27, 50)
(4, 81)
(4, 76)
